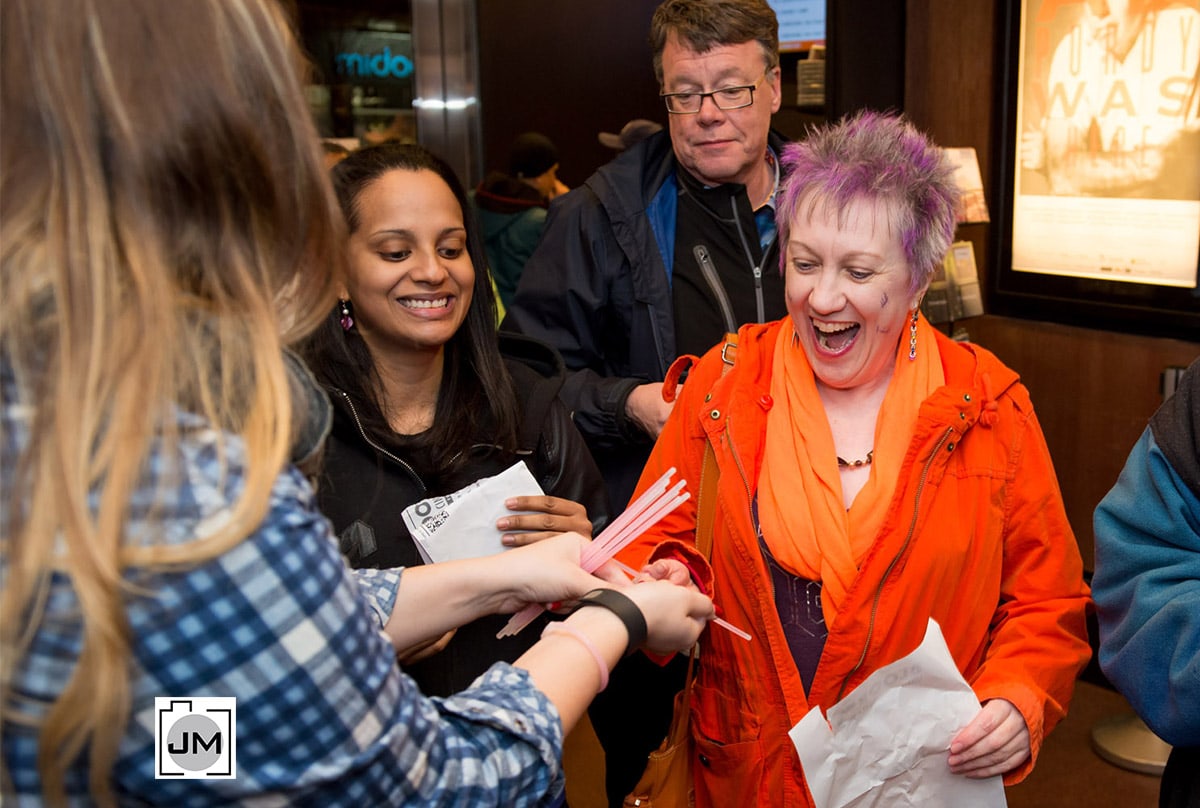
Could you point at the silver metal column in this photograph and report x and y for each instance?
(445, 39)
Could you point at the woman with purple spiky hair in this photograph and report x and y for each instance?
(873, 475)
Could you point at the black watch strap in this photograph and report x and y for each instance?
(624, 608)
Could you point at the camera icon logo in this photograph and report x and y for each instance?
(195, 738)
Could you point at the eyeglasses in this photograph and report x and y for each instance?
(725, 98)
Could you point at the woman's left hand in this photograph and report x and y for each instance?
(667, 569)
(550, 516)
(995, 742)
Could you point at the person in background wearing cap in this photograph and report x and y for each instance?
(658, 254)
(512, 207)
(633, 132)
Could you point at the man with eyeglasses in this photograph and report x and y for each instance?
(670, 245)
(658, 254)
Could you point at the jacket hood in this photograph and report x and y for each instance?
(966, 366)
(973, 367)
(1176, 428)
(311, 403)
(530, 361)
(500, 193)
(630, 180)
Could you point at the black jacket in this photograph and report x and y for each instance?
(367, 480)
(598, 289)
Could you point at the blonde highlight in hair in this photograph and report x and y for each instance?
(165, 216)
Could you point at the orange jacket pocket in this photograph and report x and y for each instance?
(727, 774)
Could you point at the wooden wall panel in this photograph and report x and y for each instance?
(865, 68)
(1093, 392)
(568, 69)
(950, 88)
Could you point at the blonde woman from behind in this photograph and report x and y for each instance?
(165, 214)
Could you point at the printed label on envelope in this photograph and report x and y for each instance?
(463, 524)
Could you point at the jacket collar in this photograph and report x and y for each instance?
(970, 370)
(651, 162)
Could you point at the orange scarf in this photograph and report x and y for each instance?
(804, 520)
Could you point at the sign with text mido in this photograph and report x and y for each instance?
(373, 56)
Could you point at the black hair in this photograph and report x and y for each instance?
(476, 395)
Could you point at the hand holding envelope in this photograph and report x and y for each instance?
(463, 524)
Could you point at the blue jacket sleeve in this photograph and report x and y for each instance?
(1147, 592)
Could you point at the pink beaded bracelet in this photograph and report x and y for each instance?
(571, 631)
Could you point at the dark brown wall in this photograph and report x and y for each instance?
(1093, 390)
(574, 68)
(567, 68)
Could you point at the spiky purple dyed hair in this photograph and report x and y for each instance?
(874, 157)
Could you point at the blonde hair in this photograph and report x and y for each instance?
(165, 215)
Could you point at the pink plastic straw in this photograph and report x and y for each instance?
(656, 502)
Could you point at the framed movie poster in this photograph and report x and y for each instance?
(1100, 219)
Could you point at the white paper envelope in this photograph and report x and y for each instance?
(463, 524)
(887, 743)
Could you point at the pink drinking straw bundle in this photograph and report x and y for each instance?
(655, 503)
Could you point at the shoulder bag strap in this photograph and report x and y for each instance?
(706, 495)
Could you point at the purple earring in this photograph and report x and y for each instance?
(346, 319)
(912, 337)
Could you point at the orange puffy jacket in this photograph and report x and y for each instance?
(976, 537)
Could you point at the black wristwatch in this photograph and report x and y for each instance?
(624, 608)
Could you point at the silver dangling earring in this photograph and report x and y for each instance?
(912, 337)
(346, 319)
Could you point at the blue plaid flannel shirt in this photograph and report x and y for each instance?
(325, 717)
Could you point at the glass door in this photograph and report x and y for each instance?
(396, 71)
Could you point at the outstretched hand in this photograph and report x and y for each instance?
(547, 571)
(995, 742)
(675, 615)
(544, 516)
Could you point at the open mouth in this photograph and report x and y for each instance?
(414, 303)
(835, 338)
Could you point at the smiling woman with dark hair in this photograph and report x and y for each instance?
(424, 403)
